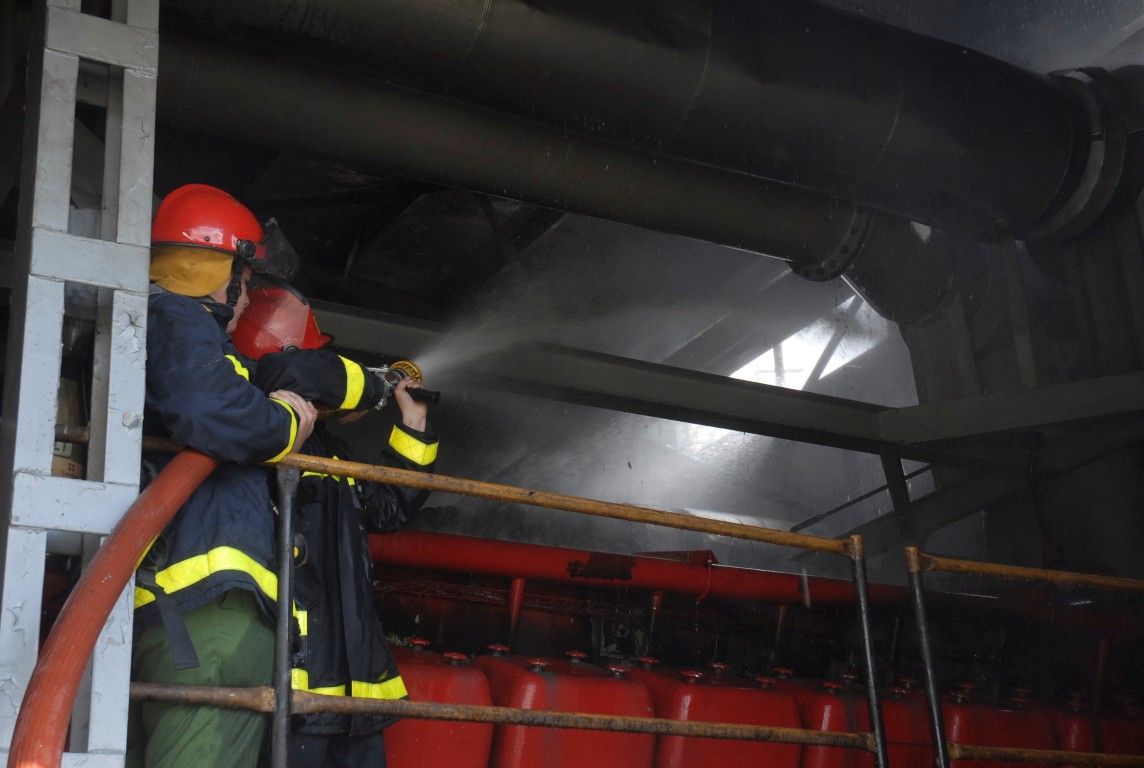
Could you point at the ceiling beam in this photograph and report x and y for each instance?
(932, 512)
(936, 510)
(374, 332)
(1017, 411)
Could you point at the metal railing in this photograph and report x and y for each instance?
(282, 701)
(918, 562)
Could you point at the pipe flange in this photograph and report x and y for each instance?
(1104, 165)
(838, 260)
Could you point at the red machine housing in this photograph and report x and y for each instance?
(1073, 727)
(1122, 732)
(692, 695)
(906, 720)
(1017, 724)
(449, 679)
(565, 686)
(827, 705)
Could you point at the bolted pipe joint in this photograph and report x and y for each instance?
(1105, 114)
(902, 269)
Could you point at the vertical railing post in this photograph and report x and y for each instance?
(937, 726)
(858, 562)
(288, 478)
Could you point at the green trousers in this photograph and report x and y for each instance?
(235, 646)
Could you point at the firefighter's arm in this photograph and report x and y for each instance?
(414, 413)
(390, 507)
(321, 376)
(203, 396)
(305, 411)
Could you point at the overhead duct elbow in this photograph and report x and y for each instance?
(902, 269)
(794, 92)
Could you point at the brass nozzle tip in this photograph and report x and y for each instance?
(411, 369)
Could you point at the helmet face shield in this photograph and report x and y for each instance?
(273, 256)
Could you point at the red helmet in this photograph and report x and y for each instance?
(206, 217)
(200, 230)
(277, 318)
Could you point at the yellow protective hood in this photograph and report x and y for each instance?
(190, 271)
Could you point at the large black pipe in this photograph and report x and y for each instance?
(785, 90)
(265, 101)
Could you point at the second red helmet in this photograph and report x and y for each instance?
(277, 318)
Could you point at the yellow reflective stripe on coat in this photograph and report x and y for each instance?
(303, 619)
(239, 368)
(293, 431)
(300, 681)
(355, 384)
(390, 689)
(411, 448)
(191, 571)
(335, 478)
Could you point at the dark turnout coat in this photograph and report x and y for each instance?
(200, 395)
(343, 652)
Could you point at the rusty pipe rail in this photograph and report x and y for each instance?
(1042, 756)
(917, 562)
(926, 562)
(552, 500)
(263, 700)
(514, 494)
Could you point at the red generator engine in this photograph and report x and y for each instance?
(721, 698)
(1017, 723)
(447, 678)
(566, 686)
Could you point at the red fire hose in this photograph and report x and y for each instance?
(38, 741)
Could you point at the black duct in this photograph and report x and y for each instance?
(786, 90)
(221, 90)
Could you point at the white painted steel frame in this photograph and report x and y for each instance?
(37, 507)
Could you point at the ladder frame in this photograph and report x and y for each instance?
(55, 261)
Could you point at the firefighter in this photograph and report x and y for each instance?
(343, 652)
(205, 590)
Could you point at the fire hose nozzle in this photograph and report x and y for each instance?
(392, 375)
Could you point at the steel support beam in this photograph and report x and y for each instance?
(1022, 411)
(935, 511)
(627, 385)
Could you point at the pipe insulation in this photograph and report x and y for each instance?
(789, 91)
